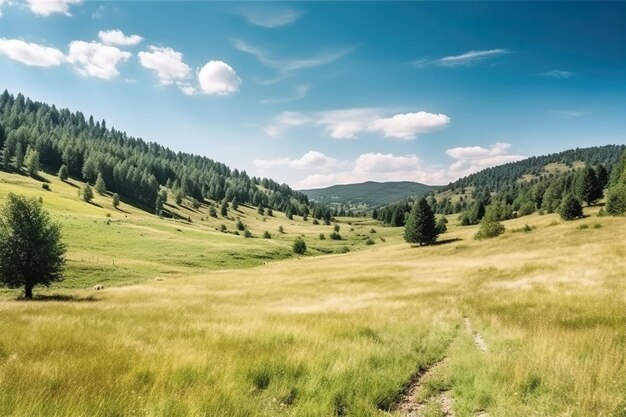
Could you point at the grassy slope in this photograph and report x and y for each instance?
(325, 335)
(132, 245)
(370, 193)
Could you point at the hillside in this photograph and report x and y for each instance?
(133, 168)
(368, 194)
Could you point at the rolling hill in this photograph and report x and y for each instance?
(370, 194)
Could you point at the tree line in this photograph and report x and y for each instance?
(78, 147)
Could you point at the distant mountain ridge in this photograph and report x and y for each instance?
(370, 193)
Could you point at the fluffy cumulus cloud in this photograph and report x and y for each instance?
(94, 59)
(31, 53)
(321, 170)
(471, 159)
(166, 63)
(218, 78)
(117, 37)
(350, 123)
(48, 7)
(407, 126)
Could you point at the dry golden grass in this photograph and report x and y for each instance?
(339, 334)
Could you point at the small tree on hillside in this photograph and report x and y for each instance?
(86, 193)
(32, 162)
(224, 209)
(116, 200)
(234, 204)
(570, 208)
(420, 225)
(160, 202)
(31, 251)
(100, 186)
(212, 212)
(489, 227)
(63, 173)
(299, 246)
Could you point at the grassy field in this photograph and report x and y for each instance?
(531, 323)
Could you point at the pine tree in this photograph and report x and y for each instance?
(616, 200)
(32, 162)
(224, 209)
(299, 246)
(570, 208)
(420, 226)
(19, 157)
(31, 251)
(586, 186)
(87, 193)
(63, 174)
(100, 186)
(160, 202)
(235, 204)
(116, 200)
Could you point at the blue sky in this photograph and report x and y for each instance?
(314, 94)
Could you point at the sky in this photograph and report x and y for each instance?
(315, 94)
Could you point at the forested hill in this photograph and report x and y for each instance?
(129, 166)
(496, 178)
(370, 193)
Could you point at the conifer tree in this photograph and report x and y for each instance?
(87, 193)
(420, 225)
(570, 207)
(32, 162)
(19, 157)
(116, 200)
(63, 173)
(100, 185)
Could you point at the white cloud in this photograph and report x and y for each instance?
(48, 7)
(472, 159)
(286, 120)
(218, 78)
(350, 123)
(166, 63)
(117, 37)
(465, 59)
(1, 4)
(270, 18)
(94, 59)
(312, 160)
(407, 126)
(300, 92)
(324, 170)
(557, 74)
(288, 65)
(346, 124)
(31, 53)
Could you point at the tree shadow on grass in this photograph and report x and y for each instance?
(68, 298)
(446, 241)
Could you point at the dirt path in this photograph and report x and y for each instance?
(479, 340)
(412, 408)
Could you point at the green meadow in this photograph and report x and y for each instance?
(197, 322)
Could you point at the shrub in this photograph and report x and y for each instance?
(223, 228)
(247, 233)
(116, 200)
(570, 208)
(583, 226)
(267, 235)
(299, 246)
(280, 229)
(372, 230)
(315, 221)
(335, 236)
(336, 228)
(369, 242)
(322, 237)
(45, 186)
(489, 228)
(212, 212)
(240, 225)
(597, 226)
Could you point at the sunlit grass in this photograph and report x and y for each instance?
(317, 335)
